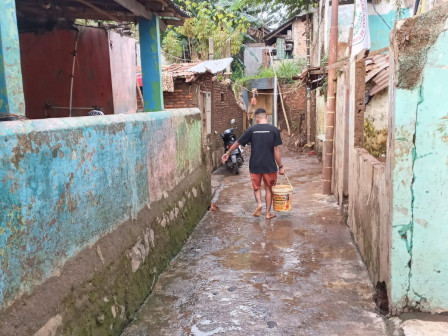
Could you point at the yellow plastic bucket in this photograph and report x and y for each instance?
(282, 196)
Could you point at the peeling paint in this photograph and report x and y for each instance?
(108, 171)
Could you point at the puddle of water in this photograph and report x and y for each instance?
(220, 330)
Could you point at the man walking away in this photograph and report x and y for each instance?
(264, 157)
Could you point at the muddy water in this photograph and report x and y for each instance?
(297, 274)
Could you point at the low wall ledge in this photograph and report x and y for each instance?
(17, 127)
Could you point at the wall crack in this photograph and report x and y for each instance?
(410, 227)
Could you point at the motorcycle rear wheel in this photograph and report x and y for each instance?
(236, 168)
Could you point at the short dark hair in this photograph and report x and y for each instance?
(259, 111)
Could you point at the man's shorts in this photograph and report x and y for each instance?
(269, 180)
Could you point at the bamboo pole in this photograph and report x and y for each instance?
(211, 48)
(280, 94)
(331, 101)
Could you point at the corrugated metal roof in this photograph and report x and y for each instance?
(190, 69)
(214, 66)
(377, 72)
(179, 9)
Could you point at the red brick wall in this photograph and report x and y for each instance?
(181, 97)
(225, 110)
(185, 95)
(294, 99)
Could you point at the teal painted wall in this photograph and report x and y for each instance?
(379, 31)
(66, 182)
(419, 263)
(11, 89)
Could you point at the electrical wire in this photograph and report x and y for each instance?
(374, 8)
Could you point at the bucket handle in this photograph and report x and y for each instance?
(287, 180)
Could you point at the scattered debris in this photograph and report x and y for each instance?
(214, 207)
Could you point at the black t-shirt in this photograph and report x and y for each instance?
(263, 139)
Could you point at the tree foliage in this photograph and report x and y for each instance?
(172, 43)
(290, 8)
(208, 20)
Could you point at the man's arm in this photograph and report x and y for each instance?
(278, 159)
(231, 149)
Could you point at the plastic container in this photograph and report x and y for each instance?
(282, 197)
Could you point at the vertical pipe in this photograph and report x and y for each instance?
(308, 65)
(331, 101)
(72, 78)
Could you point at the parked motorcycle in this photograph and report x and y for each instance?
(235, 160)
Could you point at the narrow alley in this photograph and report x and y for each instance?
(297, 274)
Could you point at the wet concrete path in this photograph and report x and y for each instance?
(297, 274)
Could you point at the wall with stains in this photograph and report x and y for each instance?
(67, 182)
(419, 174)
(369, 195)
(368, 213)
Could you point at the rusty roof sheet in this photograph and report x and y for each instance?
(377, 72)
(188, 70)
(179, 69)
(213, 66)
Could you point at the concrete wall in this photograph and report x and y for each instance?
(122, 70)
(368, 213)
(419, 156)
(299, 37)
(397, 209)
(369, 194)
(91, 210)
(224, 107)
(377, 110)
(253, 59)
(47, 62)
(379, 31)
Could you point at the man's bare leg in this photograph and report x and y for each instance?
(257, 194)
(269, 215)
